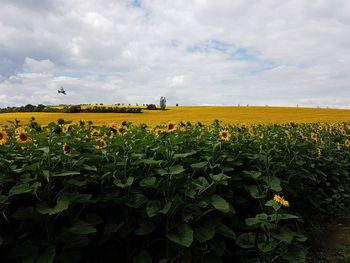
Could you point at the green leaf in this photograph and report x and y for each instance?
(4, 199)
(148, 182)
(183, 237)
(137, 200)
(66, 174)
(153, 208)
(205, 232)
(276, 206)
(267, 246)
(220, 203)
(225, 231)
(145, 229)
(184, 155)
(83, 228)
(166, 208)
(284, 235)
(259, 218)
(62, 204)
(273, 183)
(91, 168)
(253, 174)
(21, 188)
(221, 178)
(246, 240)
(199, 165)
(177, 169)
(254, 191)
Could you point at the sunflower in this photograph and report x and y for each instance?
(101, 144)
(338, 146)
(281, 200)
(22, 137)
(225, 135)
(318, 153)
(66, 148)
(343, 132)
(287, 133)
(171, 126)
(158, 132)
(314, 136)
(347, 143)
(3, 137)
(95, 132)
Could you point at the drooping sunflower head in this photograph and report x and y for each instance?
(3, 137)
(225, 135)
(66, 148)
(22, 137)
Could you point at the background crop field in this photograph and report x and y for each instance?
(205, 114)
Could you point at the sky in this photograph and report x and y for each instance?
(193, 52)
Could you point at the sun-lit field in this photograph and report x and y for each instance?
(204, 114)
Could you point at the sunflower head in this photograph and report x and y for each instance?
(101, 144)
(347, 143)
(314, 136)
(171, 126)
(22, 137)
(66, 148)
(318, 153)
(3, 137)
(225, 135)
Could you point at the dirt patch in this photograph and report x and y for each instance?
(335, 241)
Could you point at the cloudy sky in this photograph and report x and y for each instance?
(194, 52)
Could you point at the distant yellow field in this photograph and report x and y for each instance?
(204, 114)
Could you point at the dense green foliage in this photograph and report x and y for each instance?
(180, 193)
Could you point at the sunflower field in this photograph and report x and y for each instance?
(176, 192)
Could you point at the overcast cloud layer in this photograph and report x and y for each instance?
(194, 52)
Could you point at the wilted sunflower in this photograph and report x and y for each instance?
(22, 137)
(347, 143)
(66, 148)
(171, 126)
(281, 200)
(3, 137)
(225, 135)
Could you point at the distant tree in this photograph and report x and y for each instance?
(177, 104)
(162, 103)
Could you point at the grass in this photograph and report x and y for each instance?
(204, 114)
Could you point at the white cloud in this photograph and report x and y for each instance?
(219, 52)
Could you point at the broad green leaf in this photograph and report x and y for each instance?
(184, 155)
(199, 165)
(273, 183)
(220, 203)
(82, 227)
(221, 178)
(166, 208)
(246, 240)
(267, 246)
(148, 182)
(259, 218)
(91, 168)
(183, 237)
(21, 188)
(253, 174)
(145, 229)
(177, 169)
(225, 231)
(137, 200)
(276, 206)
(204, 232)
(61, 205)
(153, 208)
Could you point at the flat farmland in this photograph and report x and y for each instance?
(204, 114)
